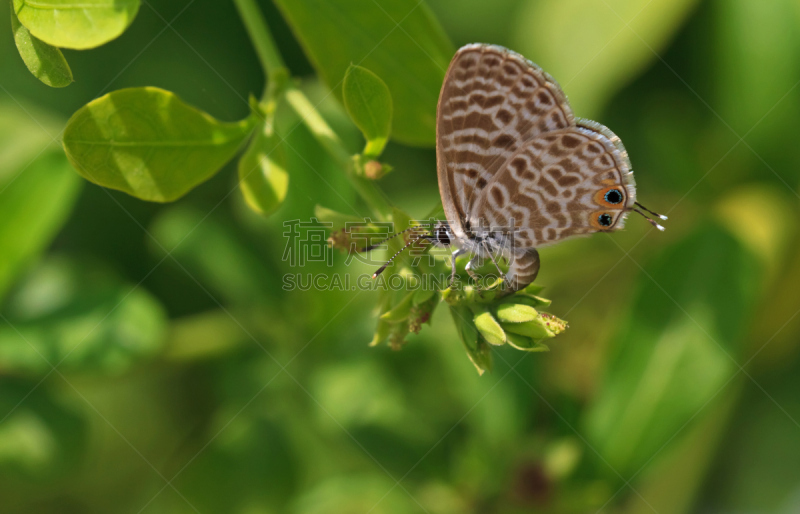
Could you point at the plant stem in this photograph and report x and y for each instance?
(278, 84)
(258, 30)
(323, 133)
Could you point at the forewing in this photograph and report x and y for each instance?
(555, 187)
(492, 101)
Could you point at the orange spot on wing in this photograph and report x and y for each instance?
(599, 197)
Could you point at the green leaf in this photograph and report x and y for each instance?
(369, 104)
(34, 204)
(262, 171)
(149, 144)
(477, 351)
(423, 294)
(399, 40)
(338, 219)
(46, 62)
(76, 24)
(678, 348)
(592, 65)
(69, 313)
(400, 311)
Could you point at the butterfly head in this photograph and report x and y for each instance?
(441, 235)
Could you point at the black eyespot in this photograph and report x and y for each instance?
(613, 196)
(604, 220)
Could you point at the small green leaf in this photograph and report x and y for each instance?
(369, 104)
(533, 289)
(400, 311)
(382, 332)
(262, 171)
(338, 219)
(477, 351)
(76, 24)
(149, 144)
(44, 61)
(489, 328)
(401, 41)
(515, 313)
(423, 294)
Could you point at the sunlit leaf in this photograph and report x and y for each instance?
(46, 62)
(595, 48)
(400, 41)
(149, 144)
(369, 104)
(78, 25)
(262, 172)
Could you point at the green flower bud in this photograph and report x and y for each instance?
(488, 327)
(525, 344)
(545, 326)
(515, 312)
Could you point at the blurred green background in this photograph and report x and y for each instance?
(132, 380)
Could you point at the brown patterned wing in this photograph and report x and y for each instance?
(492, 101)
(560, 184)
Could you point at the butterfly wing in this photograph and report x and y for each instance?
(492, 101)
(558, 185)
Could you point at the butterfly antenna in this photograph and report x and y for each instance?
(376, 245)
(652, 221)
(657, 215)
(380, 270)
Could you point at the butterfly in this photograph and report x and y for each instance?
(517, 170)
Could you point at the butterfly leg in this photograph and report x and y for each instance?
(523, 270)
(454, 256)
(474, 262)
(491, 256)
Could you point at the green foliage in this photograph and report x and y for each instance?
(180, 347)
(262, 171)
(620, 38)
(46, 62)
(666, 368)
(36, 202)
(69, 315)
(400, 41)
(149, 144)
(369, 104)
(42, 440)
(65, 24)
